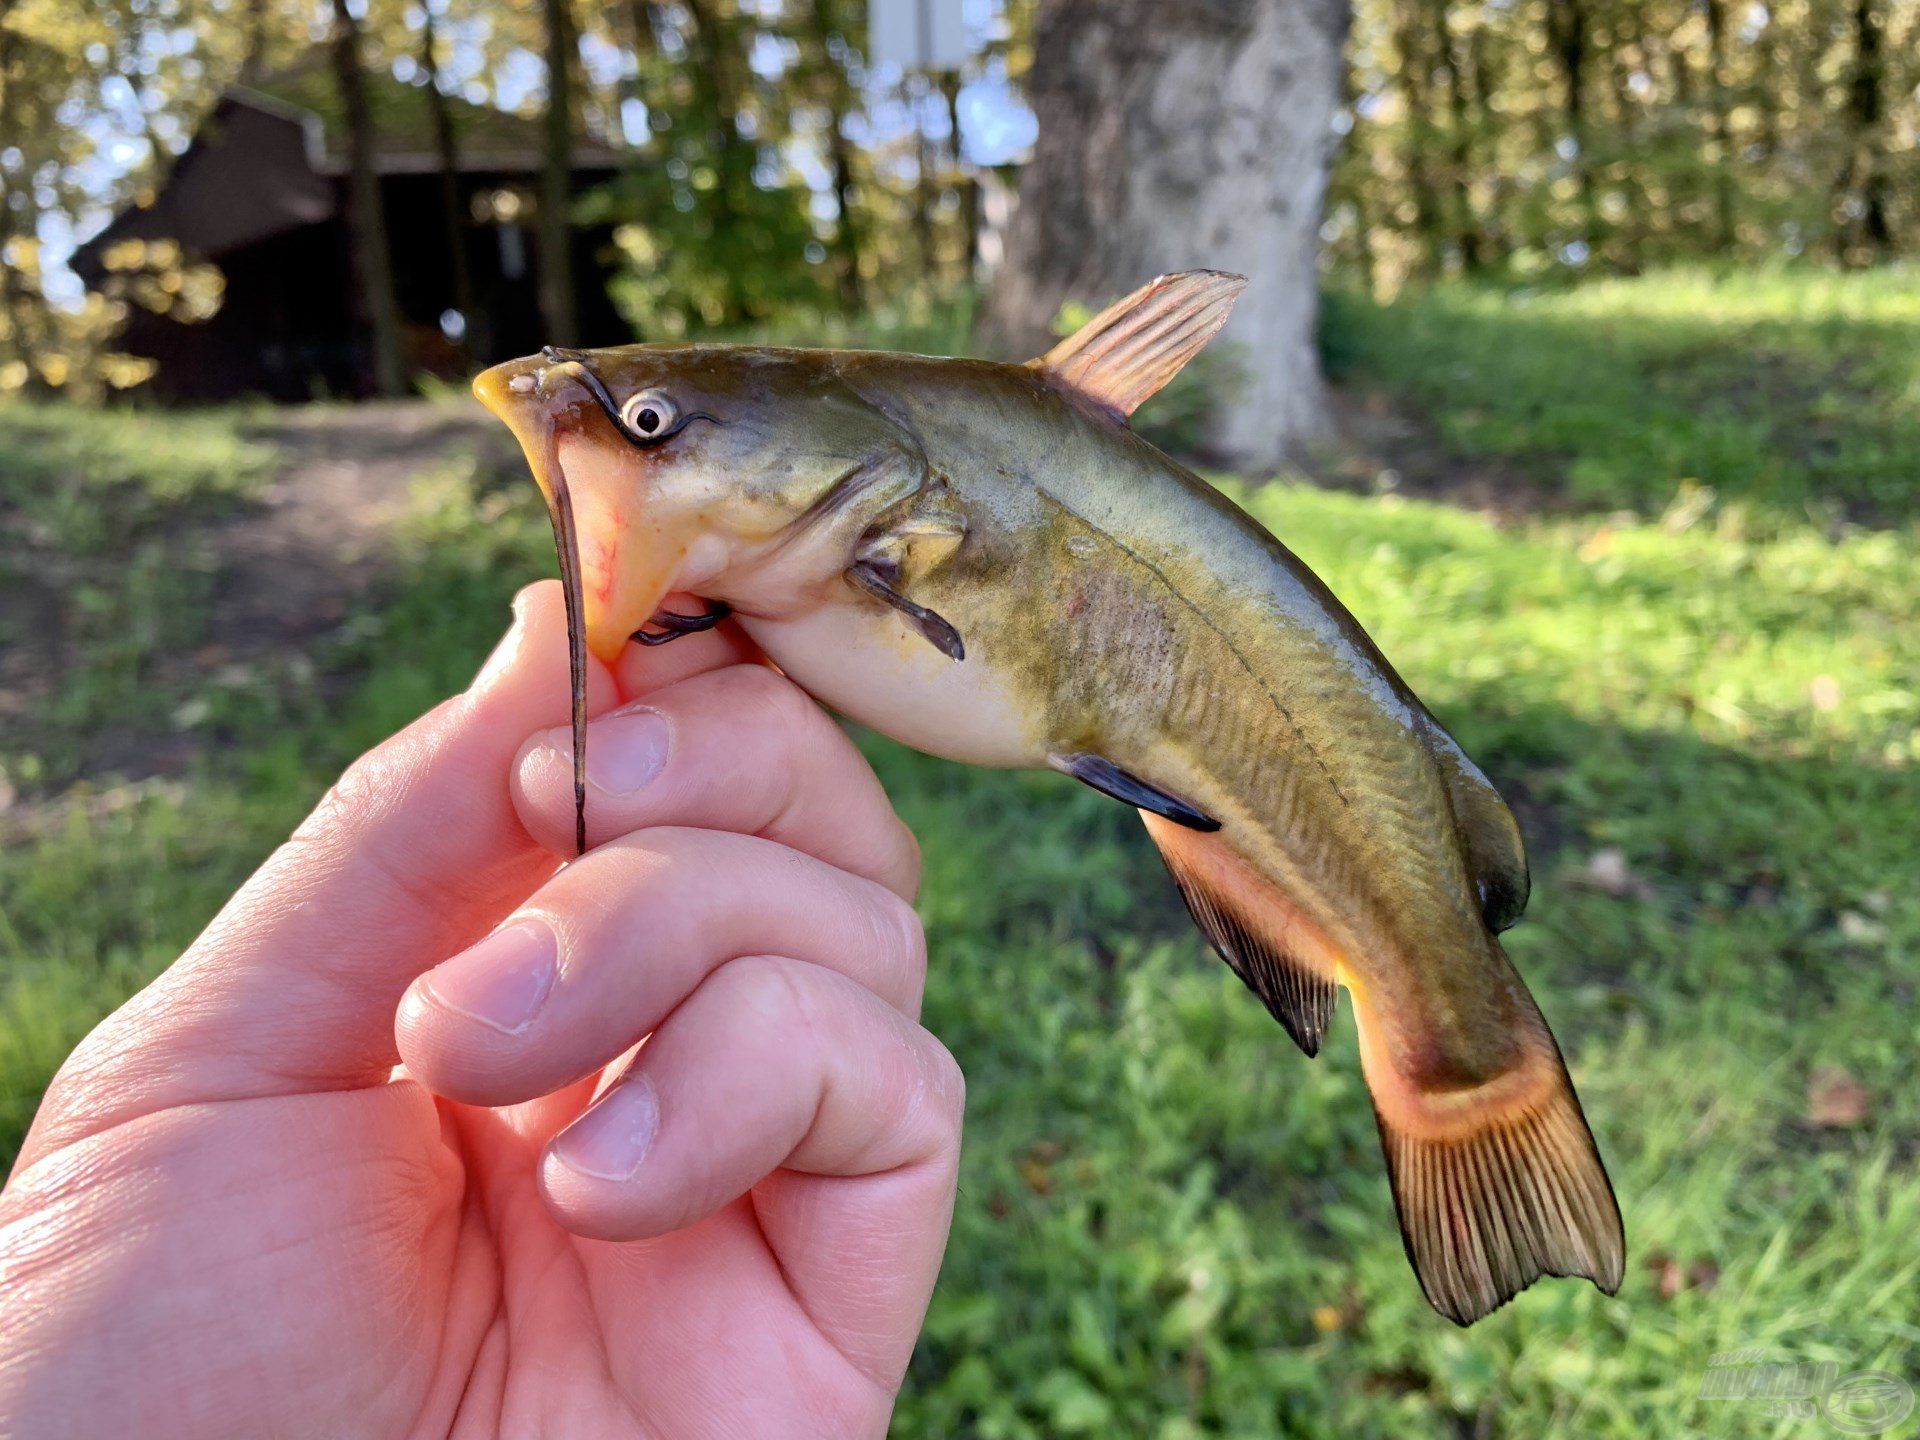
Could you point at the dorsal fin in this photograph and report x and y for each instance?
(1134, 346)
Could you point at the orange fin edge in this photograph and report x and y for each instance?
(1261, 935)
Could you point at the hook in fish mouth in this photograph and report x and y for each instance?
(582, 361)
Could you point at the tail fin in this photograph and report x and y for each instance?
(1496, 1185)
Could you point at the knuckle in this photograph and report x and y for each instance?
(946, 1086)
(902, 936)
(764, 988)
(767, 697)
(377, 784)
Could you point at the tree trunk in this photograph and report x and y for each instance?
(1416, 86)
(916, 90)
(1768, 81)
(963, 181)
(1173, 137)
(1460, 121)
(1484, 78)
(367, 224)
(1681, 186)
(1866, 107)
(253, 59)
(1720, 124)
(1569, 35)
(447, 148)
(1624, 56)
(715, 46)
(15, 217)
(558, 313)
(839, 95)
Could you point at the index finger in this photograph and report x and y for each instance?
(741, 749)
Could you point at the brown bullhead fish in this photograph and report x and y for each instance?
(984, 562)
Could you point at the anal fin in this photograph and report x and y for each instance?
(1259, 933)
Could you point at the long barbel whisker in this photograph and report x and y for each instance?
(566, 542)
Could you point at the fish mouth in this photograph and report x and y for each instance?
(550, 402)
(625, 546)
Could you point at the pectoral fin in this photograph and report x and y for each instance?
(871, 576)
(1496, 855)
(1129, 789)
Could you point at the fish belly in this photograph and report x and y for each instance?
(872, 667)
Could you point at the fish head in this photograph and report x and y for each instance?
(679, 467)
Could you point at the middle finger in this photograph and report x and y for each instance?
(606, 949)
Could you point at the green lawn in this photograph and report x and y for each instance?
(1696, 675)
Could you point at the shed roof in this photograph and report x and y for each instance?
(486, 138)
(264, 159)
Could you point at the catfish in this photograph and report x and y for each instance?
(984, 561)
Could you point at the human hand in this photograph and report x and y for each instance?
(235, 1216)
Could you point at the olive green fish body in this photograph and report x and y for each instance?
(1115, 604)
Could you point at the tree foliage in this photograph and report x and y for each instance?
(774, 177)
(1613, 135)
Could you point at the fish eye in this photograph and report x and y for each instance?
(649, 415)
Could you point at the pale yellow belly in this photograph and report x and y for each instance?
(872, 667)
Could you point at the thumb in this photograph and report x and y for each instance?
(415, 852)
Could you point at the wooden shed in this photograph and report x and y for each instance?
(261, 194)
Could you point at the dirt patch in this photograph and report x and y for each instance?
(293, 566)
(278, 576)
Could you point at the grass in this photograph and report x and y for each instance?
(1785, 390)
(100, 544)
(1173, 1225)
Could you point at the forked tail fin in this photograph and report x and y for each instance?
(1497, 1184)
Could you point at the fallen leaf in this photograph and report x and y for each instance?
(1859, 928)
(1608, 871)
(1668, 1278)
(1835, 1100)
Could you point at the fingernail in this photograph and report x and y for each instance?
(611, 1139)
(625, 750)
(504, 980)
